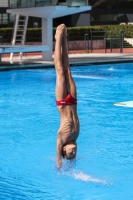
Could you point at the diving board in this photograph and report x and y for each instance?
(7, 49)
(124, 104)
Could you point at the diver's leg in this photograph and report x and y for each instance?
(61, 89)
(71, 87)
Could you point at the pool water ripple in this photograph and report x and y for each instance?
(29, 122)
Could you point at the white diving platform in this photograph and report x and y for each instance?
(47, 14)
(7, 49)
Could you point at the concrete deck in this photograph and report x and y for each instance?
(33, 62)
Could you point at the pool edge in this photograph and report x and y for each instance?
(21, 66)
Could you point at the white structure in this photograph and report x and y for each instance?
(129, 40)
(126, 23)
(6, 49)
(125, 104)
(19, 35)
(47, 14)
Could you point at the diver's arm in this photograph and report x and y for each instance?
(58, 153)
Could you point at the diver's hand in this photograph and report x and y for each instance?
(58, 164)
(58, 153)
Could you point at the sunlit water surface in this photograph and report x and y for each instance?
(28, 127)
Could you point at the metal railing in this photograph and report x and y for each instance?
(38, 3)
(1, 39)
(95, 40)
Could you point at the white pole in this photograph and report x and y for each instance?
(14, 34)
(47, 38)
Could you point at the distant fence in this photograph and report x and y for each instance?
(95, 40)
(1, 39)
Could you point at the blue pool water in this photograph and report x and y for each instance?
(29, 122)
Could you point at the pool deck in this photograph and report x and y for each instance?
(76, 59)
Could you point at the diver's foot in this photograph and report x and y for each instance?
(59, 31)
(65, 33)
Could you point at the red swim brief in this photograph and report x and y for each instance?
(69, 100)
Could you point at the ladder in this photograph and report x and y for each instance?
(19, 33)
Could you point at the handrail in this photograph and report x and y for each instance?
(88, 41)
(114, 39)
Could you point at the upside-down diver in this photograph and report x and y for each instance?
(66, 100)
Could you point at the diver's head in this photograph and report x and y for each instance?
(69, 151)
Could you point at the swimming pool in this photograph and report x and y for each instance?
(29, 122)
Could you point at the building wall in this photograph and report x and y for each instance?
(130, 17)
(111, 11)
(81, 19)
(4, 17)
(103, 12)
